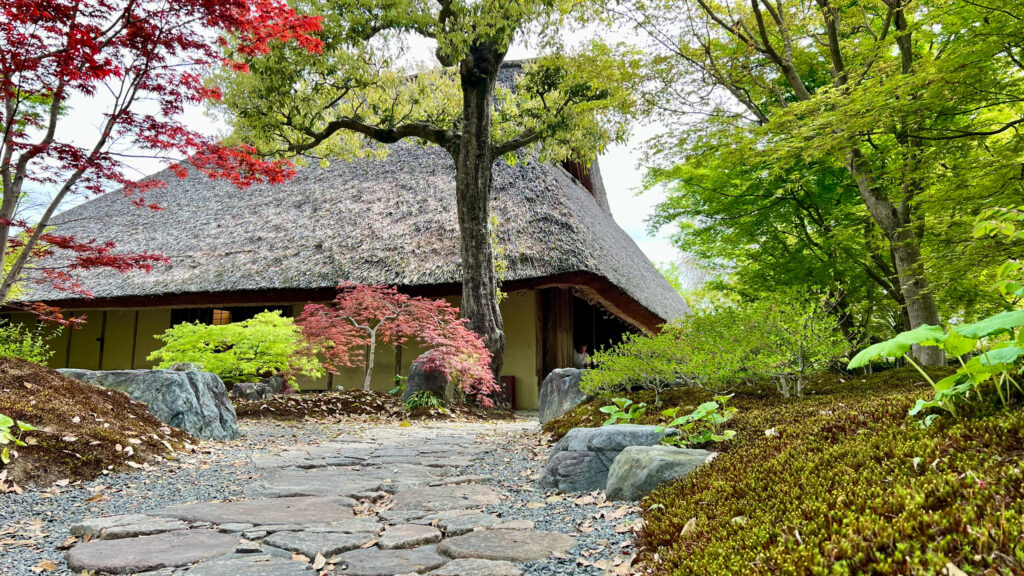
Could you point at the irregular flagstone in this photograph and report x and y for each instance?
(127, 556)
(310, 544)
(460, 525)
(377, 562)
(348, 525)
(468, 479)
(444, 462)
(234, 527)
(409, 536)
(514, 525)
(267, 511)
(510, 545)
(319, 455)
(124, 526)
(350, 482)
(249, 565)
(477, 567)
(446, 498)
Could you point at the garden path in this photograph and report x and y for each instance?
(445, 499)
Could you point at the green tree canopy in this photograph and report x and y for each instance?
(360, 94)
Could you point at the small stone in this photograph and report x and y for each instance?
(347, 526)
(233, 527)
(477, 567)
(510, 545)
(248, 547)
(271, 528)
(310, 544)
(254, 534)
(409, 536)
(377, 562)
(124, 526)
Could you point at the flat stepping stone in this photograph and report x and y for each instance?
(309, 544)
(125, 526)
(514, 525)
(459, 525)
(377, 562)
(467, 479)
(477, 567)
(250, 565)
(438, 498)
(128, 556)
(409, 536)
(234, 527)
(510, 545)
(454, 462)
(289, 482)
(269, 511)
(348, 526)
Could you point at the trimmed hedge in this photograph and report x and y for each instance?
(846, 484)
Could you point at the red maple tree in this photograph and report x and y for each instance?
(142, 60)
(361, 316)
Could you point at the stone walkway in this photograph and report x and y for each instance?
(380, 503)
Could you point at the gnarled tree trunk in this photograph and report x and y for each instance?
(474, 162)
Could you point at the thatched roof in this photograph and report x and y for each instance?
(373, 221)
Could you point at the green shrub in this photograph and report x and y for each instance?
(782, 339)
(18, 341)
(262, 346)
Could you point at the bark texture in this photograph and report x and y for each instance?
(474, 159)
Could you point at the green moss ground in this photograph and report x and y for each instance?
(840, 489)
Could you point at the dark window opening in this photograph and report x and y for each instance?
(220, 316)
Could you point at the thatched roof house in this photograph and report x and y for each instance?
(573, 274)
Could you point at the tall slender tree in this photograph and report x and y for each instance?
(357, 96)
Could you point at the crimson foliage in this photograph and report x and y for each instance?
(361, 316)
(142, 62)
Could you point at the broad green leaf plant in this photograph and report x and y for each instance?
(8, 426)
(623, 411)
(701, 426)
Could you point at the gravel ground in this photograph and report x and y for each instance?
(517, 459)
(35, 524)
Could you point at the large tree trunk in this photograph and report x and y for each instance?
(898, 228)
(473, 161)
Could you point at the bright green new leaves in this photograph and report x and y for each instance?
(32, 344)
(701, 426)
(1004, 323)
(895, 347)
(8, 437)
(622, 410)
(363, 90)
(265, 345)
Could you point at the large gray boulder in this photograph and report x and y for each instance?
(560, 392)
(638, 470)
(194, 401)
(580, 461)
(424, 380)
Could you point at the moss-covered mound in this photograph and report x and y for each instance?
(843, 484)
(81, 429)
(358, 403)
